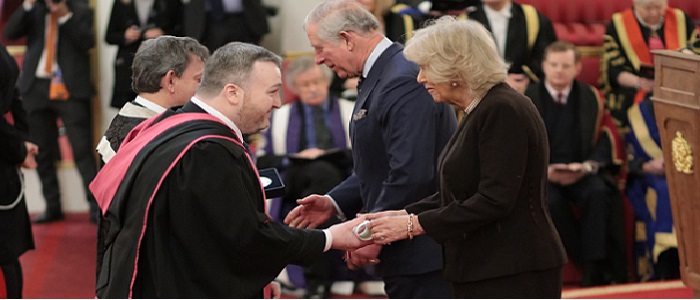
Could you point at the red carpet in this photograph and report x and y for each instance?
(63, 264)
(63, 267)
(673, 289)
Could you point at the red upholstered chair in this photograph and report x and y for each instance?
(583, 24)
(690, 7)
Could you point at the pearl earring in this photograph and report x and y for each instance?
(454, 84)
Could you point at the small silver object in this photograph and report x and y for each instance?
(362, 231)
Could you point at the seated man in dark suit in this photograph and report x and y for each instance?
(584, 160)
(308, 142)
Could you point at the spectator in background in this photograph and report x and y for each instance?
(166, 72)
(627, 65)
(397, 132)
(585, 158)
(521, 34)
(308, 139)
(55, 83)
(656, 251)
(130, 23)
(15, 152)
(215, 23)
(308, 143)
(490, 212)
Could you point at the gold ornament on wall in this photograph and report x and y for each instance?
(682, 154)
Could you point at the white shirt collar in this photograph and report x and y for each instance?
(505, 12)
(553, 92)
(150, 105)
(378, 50)
(212, 111)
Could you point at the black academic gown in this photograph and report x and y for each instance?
(205, 233)
(518, 54)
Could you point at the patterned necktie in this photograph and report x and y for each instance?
(560, 98)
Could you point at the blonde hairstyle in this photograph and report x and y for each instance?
(452, 50)
(334, 16)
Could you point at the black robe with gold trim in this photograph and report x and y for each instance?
(616, 60)
(528, 35)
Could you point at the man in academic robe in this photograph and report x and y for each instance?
(184, 204)
(627, 63)
(656, 247)
(166, 72)
(585, 161)
(521, 34)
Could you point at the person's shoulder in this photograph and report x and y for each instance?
(134, 110)
(502, 95)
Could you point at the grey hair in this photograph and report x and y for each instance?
(233, 63)
(458, 50)
(156, 57)
(303, 64)
(334, 16)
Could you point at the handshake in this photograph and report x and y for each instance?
(377, 228)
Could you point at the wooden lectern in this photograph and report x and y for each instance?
(677, 105)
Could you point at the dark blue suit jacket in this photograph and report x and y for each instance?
(397, 132)
(75, 39)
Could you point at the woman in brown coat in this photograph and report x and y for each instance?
(490, 212)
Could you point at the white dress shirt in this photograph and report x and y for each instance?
(498, 21)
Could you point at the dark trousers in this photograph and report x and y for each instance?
(583, 237)
(313, 177)
(542, 284)
(43, 131)
(429, 285)
(12, 272)
(231, 28)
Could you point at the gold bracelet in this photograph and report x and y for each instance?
(410, 226)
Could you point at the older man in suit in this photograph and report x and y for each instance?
(55, 83)
(215, 23)
(397, 133)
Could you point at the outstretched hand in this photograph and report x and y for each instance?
(312, 211)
